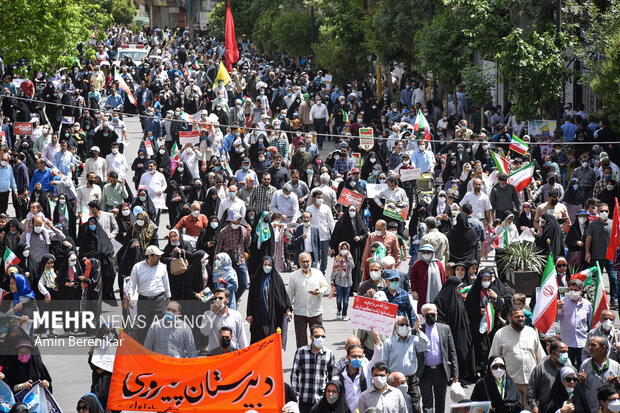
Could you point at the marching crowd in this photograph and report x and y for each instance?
(260, 192)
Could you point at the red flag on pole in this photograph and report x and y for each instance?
(232, 52)
(614, 241)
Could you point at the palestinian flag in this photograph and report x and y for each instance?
(547, 299)
(124, 87)
(490, 315)
(522, 177)
(501, 241)
(345, 116)
(9, 259)
(518, 145)
(585, 276)
(600, 302)
(421, 128)
(503, 166)
(465, 290)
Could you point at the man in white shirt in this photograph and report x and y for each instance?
(305, 289)
(121, 131)
(285, 202)
(329, 195)
(323, 219)
(171, 335)
(86, 193)
(520, 347)
(50, 150)
(191, 157)
(479, 201)
(116, 162)
(155, 184)
(219, 315)
(232, 203)
(380, 394)
(149, 281)
(95, 164)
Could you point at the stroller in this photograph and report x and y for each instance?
(425, 188)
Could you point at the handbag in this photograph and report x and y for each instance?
(178, 265)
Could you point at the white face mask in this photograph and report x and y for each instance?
(140, 222)
(609, 187)
(195, 214)
(115, 151)
(352, 214)
(378, 232)
(498, 374)
(574, 295)
(4, 163)
(379, 381)
(402, 331)
(375, 275)
(38, 229)
(235, 226)
(162, 151)
(569, 390)
(152, 171)
(26, 253)
(582, 220)
(607, 325)
(604, 215)
(343, 252)
(319, 201)
(486, 284)
(125, 212)
(267, 269)
(614, 405)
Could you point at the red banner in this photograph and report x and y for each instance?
(23, 128)
(348, 197)
(251, 378)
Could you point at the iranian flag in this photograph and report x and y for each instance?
(124, 87)
(204, 161)
(547, 299)
(187, 117)
(518, 145)
(501, 241)
(522, 177)
(503, 166)
(490, 315)
(585, 276)
(614, 240)
(345, 116)
(421, 126)
(9, 259)
(174, 158)
(600, 302)
(3, 293)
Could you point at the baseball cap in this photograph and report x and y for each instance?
(390, 275)
(153, 250)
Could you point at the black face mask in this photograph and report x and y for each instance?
(551, 181)
(91, 181)
(430, 319)
(553, 202)
(225, 341)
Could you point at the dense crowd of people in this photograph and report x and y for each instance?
(261, 191)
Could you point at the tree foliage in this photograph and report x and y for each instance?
(476, 85)
(245, 12)
(283, 31)
(607, 82)
(123, 11)
(46, 32)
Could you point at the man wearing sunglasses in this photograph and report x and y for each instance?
(598, 371)
(219, 316)
(574, 314)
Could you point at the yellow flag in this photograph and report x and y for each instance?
(222, 74)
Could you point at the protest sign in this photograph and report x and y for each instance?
(396, 211)
(471, 407)
(348, 197)
(543, 130)
(373, 190)
(366, 138)
(407, 175)
(149, 147)
(250, 378)
(192, 137)
(367, 313)
(103, 356)
(7, 399)
(23, 128)
(357, 158)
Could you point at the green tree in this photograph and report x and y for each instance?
(477, 86)
(46, 32)
(123, 11)
(607, 83)
(292, 32)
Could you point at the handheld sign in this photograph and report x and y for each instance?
(367, 313)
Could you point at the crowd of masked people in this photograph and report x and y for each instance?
(258, 194)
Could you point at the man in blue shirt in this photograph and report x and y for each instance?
(397, 295)
(423, 158)
(336, 94)
(7, 183)
(406, 95)
(115, 100)
(64, 160)
(41, 175)
(568, 128)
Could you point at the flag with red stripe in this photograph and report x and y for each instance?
(600, 302)
(123, 85)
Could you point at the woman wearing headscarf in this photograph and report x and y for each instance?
(64, 215)
(506, 233)
(14, 335)
(565, 386)
(576, 239)
(175, 199)
(526, 218)
(195, 279)
(124, 220)
(452, 170)
(27, 265)
(12, 233)
(144, 231)
(225, 276)
(451, 311)
(24, 365)
(263, 242)
(497, 387)
(550, 239)
(350, 228)
(139, 166)
(369, 163)
(69, 272)
(197, 191)
(333, 400)
(211, 203)
(100, 384)
(481, 293)
(440, 209)
(95, 243)
(352, 183)
(39, 195)
(207, 240)
(24, 303)
(143, 200)
(418, 216)
(574, 198)
(45, 283)
(91, 401)
(163, 161)
(182, 176)
(177, 247)
(268, 302)
(462, 239)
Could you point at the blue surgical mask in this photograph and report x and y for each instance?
(92, 227)
(394, 285)
(214, 225)
(142, 198)
(217, 168)
(563, 358)
(168, 316)
(355, 363)
(575, 187)
(246, 167)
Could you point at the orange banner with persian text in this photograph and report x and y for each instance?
(251, 378)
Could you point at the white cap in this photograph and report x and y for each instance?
(153, 250)
(95, 149)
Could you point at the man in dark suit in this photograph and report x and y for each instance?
(306, 239)
(440, 362)
(145, 100)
